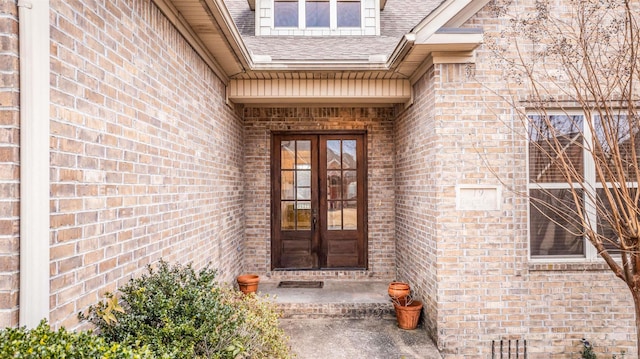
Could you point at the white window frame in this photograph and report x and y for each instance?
(590, 252)
(333, 17)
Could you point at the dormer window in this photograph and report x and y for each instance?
(317, 17)
(348, 13)
(330, 14)
(317, 13)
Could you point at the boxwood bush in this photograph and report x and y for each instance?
(44, 343)
(179, 312)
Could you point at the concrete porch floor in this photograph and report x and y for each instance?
(346, 319)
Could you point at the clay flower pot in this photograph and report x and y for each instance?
(248, 283)
(399, 291)
(408, 315)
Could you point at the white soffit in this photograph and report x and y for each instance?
(273, 91)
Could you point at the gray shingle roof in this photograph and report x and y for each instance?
(397, 19)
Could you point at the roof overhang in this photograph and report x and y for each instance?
(208, 26)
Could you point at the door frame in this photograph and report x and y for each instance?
(275, 182)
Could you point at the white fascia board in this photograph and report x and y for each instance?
(441, 16)
(466, 13)
(401, 50)
(230, 32)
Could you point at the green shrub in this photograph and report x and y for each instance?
(44, 343)
(259, 333)
(182, 313)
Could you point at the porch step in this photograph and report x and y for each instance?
(336, 299)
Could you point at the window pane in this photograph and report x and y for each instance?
(350, 215)
(285, 13)
(304, 154)
(287, 154)
(554, 141)
(621, 133)
(304, 215)
(303, 185)
(288, 185)
(288, 215)
(334, 155)
(304, 193)
(334, 185)
(304, 178)
(350, 185)
(604, 218)
(348, 13)
(554, 227)
(349, 160)
(317, 13)
(334, 215)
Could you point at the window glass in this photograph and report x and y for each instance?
(317, 13)
(619, 133)
(554, 226)
(547, 156)
(605, 216)
(285, 13)
(348, 13)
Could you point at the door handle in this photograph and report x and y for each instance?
(314, 218)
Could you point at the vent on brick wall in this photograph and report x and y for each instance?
(509, 349)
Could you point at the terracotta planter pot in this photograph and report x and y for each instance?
(409, 315)
(398, 291)
(248, 283)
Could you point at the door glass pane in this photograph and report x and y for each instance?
(287, 185)
(287, 154)
(349, 154)
(333, 155)
(304, 193)
(285, 13)
(334, 185)
(304, 155)
(350, 215)
(348, 13)
(304, 215)
(334, 215)
(350, 185)
(304, 178)
(317, 13)
(303, 184)
(288, 215)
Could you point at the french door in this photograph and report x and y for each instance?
(318, 201)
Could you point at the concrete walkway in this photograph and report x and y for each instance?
(346, 319)
(368, 338)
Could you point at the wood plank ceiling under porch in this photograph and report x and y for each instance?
(384, 80)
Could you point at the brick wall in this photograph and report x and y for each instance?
(416, 198)
(9, 164)
(259, 122)
(472, 266)
(146, 159)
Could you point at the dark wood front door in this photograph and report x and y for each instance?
(318, 201)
